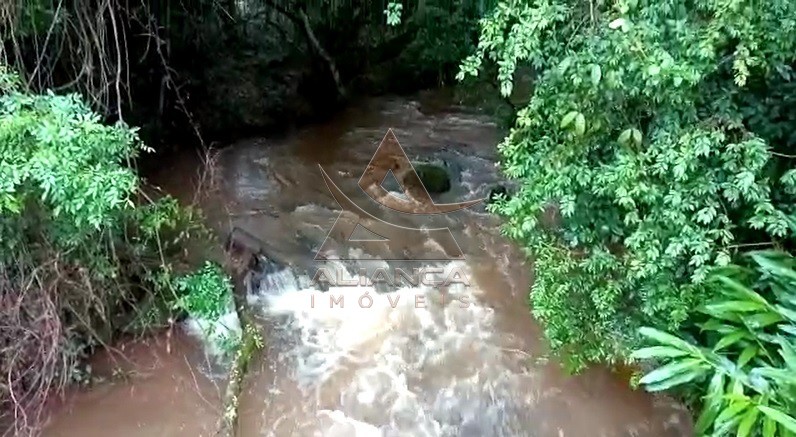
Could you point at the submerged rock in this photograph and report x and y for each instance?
(434, 177)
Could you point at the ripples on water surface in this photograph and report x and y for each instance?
(420, 361)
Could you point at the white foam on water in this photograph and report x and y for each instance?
(214, 333)
(337, 424)
(469, 183)
(275, 282)
(399, 194)
(412, 362)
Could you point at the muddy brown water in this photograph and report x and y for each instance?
(414, 363)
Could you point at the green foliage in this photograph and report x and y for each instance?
(651, 130)
(30, 17)
(61, 164)
(443, 32)
(393, 13)
(80, 247)
(206, 293)
(746, 371)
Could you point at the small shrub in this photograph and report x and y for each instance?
(206, 295)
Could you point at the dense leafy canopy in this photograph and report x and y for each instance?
(659, 130)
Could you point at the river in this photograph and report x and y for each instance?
(462, 360)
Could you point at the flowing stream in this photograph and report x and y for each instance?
(461, 360)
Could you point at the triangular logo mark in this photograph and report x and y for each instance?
(363, 234)
(391, 184)
(390, 159)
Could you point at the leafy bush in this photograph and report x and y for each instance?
(745, 374)
(77, 251)
(206, 295)
(650, 131)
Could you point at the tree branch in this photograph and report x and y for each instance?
(301, 19)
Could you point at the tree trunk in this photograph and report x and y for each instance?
(301, 19)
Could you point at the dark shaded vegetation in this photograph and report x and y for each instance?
(216, 70)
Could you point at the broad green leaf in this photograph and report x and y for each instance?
(775, 374)
(676, 368)
(763, 320)
(788, 352)
(713, 402)
(596, 74)
(728, 414)
(786, 312)
(769, 427)
(697, 370)
(719, 316)
(733, 306)
(730, 339)
(788, 329)
(568, 119)
(657, 352)
(668, 339)
(725, 427)
(719, 326)
(580, 124)
(785, 420)
(736, 393)
(707, 417)
(747, 422)
(741, 290)
(747, 354)
(766, 259)
(720, 362)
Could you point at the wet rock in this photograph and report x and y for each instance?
(434, 177)
(264, 271)
(243, 247)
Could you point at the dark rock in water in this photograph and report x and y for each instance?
(263, 270)
(434, 177)
(495, 192)
(244, 248)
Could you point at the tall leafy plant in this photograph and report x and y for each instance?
(77, 247)
(649, 131)
(743, 368)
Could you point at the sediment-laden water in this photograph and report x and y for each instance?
(394, 360)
